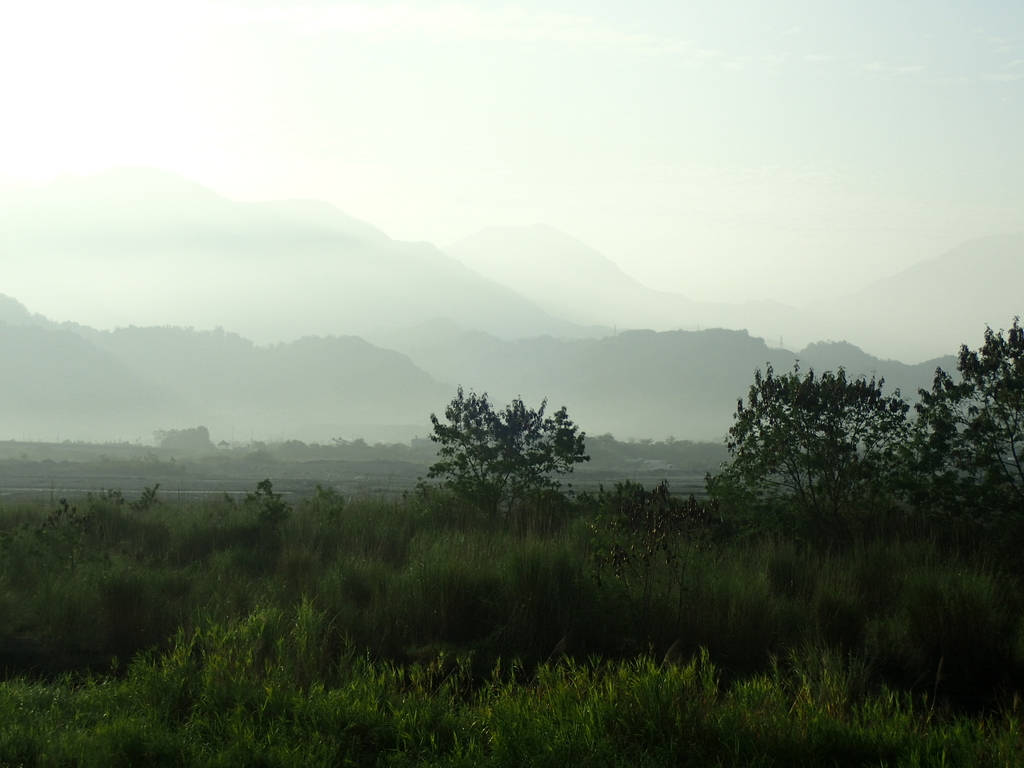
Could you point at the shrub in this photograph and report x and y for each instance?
(271, 507)
(970, 433)
(826, 445)
(497, 458)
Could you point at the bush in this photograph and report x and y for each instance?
(271, 507)
(496, 459)
(970, 433)
(826, 445)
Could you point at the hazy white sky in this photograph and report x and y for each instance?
(727, 150)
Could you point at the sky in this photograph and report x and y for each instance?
(726, 150)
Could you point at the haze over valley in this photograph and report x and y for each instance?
(291, 220)
(350, 349)
(292, 320)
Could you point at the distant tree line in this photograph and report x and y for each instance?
(826, 456)
(823, 457)
(194, 440)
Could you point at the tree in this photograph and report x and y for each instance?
(827, 445)
(195, 440)
(271, 507)
(496, 458)
(970, 433)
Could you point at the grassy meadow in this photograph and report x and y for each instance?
(610, 629)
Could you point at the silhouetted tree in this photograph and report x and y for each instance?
(496, 458)
(194, 440)
(970, 433)
(826, 445)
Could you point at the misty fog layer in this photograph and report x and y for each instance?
(311, 324)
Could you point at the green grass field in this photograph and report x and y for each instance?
(419, 632)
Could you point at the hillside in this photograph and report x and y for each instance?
(338, 330)
(155, 249)
(936, 305)
(639, 383)
(569, 279)
(314, 388)
(126, 384)
(56, 385)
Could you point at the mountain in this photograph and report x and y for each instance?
(14, 312)
(128, 383)
(936, 305)
(314, 388)
(922, 312)
(56, 385)
(146, 247)
(640, 383)
(77, 382)
(569, 279)
(342, 331)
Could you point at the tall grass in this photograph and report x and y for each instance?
(425, 630)
(402, 578)
(276, 688)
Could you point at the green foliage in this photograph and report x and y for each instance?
(194, 440)
(245, 694)
(957, 628)
(271, 507)
(825, 445)
(498, 458)
(645, 540)
(146, 500)
(106, 500)
(325, 501)
(970, 433)
(791, 573)
(230, 650)
(65, 530)
(233, 652)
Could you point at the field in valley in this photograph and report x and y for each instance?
(331, 628)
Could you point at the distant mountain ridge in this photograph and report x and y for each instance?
(566, 277)
(78, 382)
(936, 305)
(56, 384)
(128, 383)
(351, 330)
(569, 279)
(14, 312)
(145, 247)
(640, 383)
(923, 312)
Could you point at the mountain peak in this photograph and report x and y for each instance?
(521, 255)
(13, 311)
(569, 279)
(934, 306)
(141, 246)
